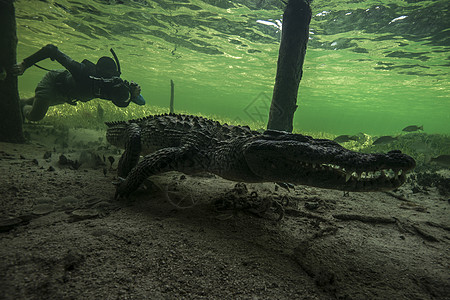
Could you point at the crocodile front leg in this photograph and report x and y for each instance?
(130, 156)
(182, 159)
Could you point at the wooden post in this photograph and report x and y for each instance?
(294, 37)
(172, 88)
(10, 114)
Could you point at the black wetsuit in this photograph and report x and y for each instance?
(79, 82)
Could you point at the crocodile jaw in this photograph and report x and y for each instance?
(335, 168)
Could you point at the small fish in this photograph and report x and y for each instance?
(443, 160)
(345, 138)
(361, 137)
(386, 139)
(412, 128)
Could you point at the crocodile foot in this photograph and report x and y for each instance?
(121, 190)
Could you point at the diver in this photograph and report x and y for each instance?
(79, 82)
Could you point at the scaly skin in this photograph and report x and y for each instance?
(191, 144)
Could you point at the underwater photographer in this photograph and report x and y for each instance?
(79, 82)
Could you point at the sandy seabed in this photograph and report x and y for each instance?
(64, 236)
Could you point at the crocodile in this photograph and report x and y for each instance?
(193, 144)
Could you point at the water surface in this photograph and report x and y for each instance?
(371, 66)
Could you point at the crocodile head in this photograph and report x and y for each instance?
(284, 157)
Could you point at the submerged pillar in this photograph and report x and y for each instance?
(10, 115)
(294, 37)
(172, 95)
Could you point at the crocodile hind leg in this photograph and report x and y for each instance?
(130, 156)
(181, 159)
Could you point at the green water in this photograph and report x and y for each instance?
(371, 66)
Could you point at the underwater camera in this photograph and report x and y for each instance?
(139, 100)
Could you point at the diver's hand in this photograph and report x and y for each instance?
(135, 90)
(18, 69)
